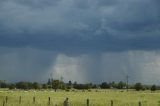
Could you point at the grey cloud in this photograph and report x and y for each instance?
(84, 22)
(37, 65)
(25, 64)
(112, 17)
(81, 32)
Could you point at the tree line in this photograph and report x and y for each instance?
(57, 84)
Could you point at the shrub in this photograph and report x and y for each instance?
(67, 90)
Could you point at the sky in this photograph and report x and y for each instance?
(80, 40)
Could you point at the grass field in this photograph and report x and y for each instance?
(78, 98)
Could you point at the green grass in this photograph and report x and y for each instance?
(78, 98)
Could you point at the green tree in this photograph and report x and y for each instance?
(113, 84)
(121, 85)
(55, 84)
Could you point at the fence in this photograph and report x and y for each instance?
(6, 101)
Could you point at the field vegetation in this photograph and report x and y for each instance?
(55, 92)
(97, 97)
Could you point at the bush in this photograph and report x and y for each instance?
(67, 90)
(89, 90)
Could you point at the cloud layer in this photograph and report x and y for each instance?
(97, 25)
(38, 65)
(87, 36)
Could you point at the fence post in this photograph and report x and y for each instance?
(49, 101)
(34, 100)
(111, 102)
(3, 103)
(6, 99)
(139, 104)
(20, 100)
(87, 102)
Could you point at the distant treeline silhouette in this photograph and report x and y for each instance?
(58, 84)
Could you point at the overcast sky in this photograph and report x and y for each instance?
(80, 40)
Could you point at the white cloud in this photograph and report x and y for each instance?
(140, 66)
(69, 68)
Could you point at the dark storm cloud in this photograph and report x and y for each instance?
(25, 64)
(93, 25)
(86, 38)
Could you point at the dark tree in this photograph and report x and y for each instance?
(22, 85)
(3, 84)
(36, 85)
(44, 86)
(121, 85)
(12, 86)
(105, 85)
(82, 86)
(153, 88)
(49, 82)
(30, 85)
(70, 84)
(138, 86)
(94, 86)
